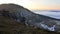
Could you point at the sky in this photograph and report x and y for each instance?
(36, 4)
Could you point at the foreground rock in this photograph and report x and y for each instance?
(23, 15)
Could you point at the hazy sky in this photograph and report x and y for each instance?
(36, 4)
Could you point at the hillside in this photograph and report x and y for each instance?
(16, 19)
(9, 26)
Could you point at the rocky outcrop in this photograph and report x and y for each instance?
(21, 14)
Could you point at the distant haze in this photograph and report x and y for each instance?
(50, 13)
(36, 4)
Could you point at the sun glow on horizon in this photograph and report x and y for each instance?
(36, 4)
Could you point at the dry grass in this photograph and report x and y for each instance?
(10, 26)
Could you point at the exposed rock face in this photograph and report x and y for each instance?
(21, 14)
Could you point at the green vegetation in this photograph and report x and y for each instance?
(10, 26)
